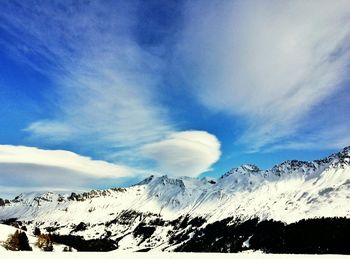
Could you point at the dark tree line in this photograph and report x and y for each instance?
(311, 236)
(80, 244)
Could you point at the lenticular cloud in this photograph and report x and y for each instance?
(184, 153)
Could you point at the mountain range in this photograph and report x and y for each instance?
(176, 214)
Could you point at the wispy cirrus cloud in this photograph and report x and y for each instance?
(267, 63)
(105, 82)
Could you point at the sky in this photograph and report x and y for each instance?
(96, 94)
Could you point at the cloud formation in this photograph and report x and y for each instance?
(37, 169)
(61, 159)
(266, 62)
(186, 153)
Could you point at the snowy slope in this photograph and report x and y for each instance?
(288, 192)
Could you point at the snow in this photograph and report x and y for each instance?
(289, 198)
(288, 192)
(247, 242)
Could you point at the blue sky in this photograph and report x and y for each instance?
(190, 88)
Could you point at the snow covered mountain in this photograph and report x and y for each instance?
(155, 213)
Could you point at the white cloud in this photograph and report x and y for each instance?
(30, 168)
(186, 153)
(333, 137)
(52, 130)
(269, 62)
(61, 159)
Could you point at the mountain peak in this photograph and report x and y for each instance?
(345, 154)
(146, 180)
(165, 180)
(346, 150)
(242, 169)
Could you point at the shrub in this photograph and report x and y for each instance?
(18, 242)
(44, 242)
(36, 231)
(67, 249)
(24, 228)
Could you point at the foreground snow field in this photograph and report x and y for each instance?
(121, 255)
